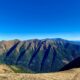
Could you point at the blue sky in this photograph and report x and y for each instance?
(26, 19)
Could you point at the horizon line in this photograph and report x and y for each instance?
(71, 37)
(38, 39)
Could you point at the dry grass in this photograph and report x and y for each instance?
(5, 69)
(7, 74)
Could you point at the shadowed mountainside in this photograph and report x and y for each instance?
(48, 55)
(73, 64)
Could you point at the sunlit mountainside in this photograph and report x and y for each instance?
(40, 56)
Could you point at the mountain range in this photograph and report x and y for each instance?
(38, 56)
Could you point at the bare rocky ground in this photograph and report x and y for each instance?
(7, 74)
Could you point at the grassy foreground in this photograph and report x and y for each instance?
(8, 73)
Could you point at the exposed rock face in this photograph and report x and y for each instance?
(47, 55)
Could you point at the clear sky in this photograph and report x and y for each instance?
(26, 19)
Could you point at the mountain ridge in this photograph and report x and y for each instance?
(46, 55)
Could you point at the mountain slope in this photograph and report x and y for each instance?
(48, 55)
(73, 74)
(12, 69)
